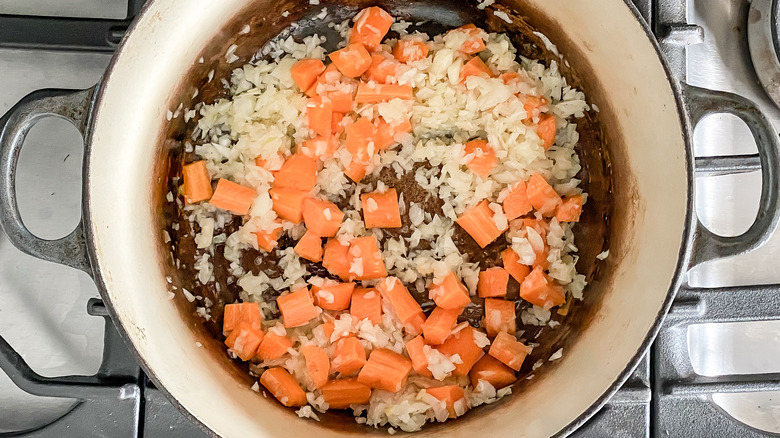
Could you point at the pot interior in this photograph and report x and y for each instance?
(634, 160)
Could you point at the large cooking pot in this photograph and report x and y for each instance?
(642, 176)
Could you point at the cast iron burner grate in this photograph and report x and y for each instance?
(663, 397)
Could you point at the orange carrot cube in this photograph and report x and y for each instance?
(267, 240)
(533, 105)
(540, 290)
(542, 196)
(380, 210)
(570, 209)
(297, 308)
(387, 132)
(360, 140)
(283, 387)
(376, 93)
(499, 316)
(319, 113)
(478, 222)
(244, 340)
(545, 129)
(492, 371)
(439, 325)
(197, 182)
(406, 308)
(336, 258)
(319, 147)
(365, 259)
(475, 43)
(385, 370)
(309, 247)
(323, 218)
(516, 203)
(409, 50)
(352, 61)
(233, 197)
(382, 68)
(333, 295)
(493, 282)
(371, 25)
(464, 344)
(298, 172)
(274, 346)
(512, 264)
(356, 171)
(484, 157)
(453, 396)
(366, 304)
(349, 356)
(475, 67)
(317, 364)
(450, 293)
(416, 351)
(288, 203)
(508, 350)
(305, 72)
(237, 313)
(341, 393)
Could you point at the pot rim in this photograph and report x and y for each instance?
(677, 279)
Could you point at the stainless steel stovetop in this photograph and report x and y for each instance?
(713, 372)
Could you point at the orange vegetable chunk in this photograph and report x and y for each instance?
(371, 25)
(376, 93)
(319, 113)
(297, 308)
(288, 203)
(360, 140)
(309, 247)
(484, 159)
(439, 325)
(499, 316)
(508, 350)
(274, 346)
(465, 345)
(475, 67)
(386, 132)
(450, 293)
(380, 210)
(283, 387)
(542, 196)
(493, 282)
(406, 308)
(366, 304)
(409, 50)
(540, 290)
(475, 43)
(237, 313)
(545, 129)
(533, 105)
(298, 172)
(333, 295)
(516, 203)
(272, 164)
(319, 147)
(365, 259)
(349, 356)
(268, 240)
(330, 76)
(385, 370)
(197, 182)
(453, 396)
(570, 209)
(478, 222)
(382, 68)
(352, 61)
(512, 264)
(244, 340)
(492, 371)
(415, 349)
(317, 364)
(336, 258)
(341, 393)
(322, 218)
(356, 171)
(305, 72)
(233, 197)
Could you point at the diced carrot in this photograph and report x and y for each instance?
(288, 203)
(499, 316)
(386, 132)
(385, 370)
(570, 209)
(333, 295)
(545, 129)
(319, 147)
(476, 42)
(298, 172)
(356, 171)
(406, 308)
(382, 67)
(322, 218)
(542, 196)
(484, 159)
(267, 240)
(352, 61)
(297, 308)
(415, 349)
(273, 164)
(360, 140)
(244, 340)
(464, 345)
(380, 210)
(309, 247)
(508, 350)
(510, 77)
(197, 182)
(319, 113)
(365, 259)
(493, 282)
(305, 72)
(283, 386)
(475, 67)
(336, 258)
(478, 222)
(366, 304)
(492, 371)
(327, 329)
(512, 264)
(533, 105)
(341, 393)
(516, 203)
(376, 93)
(342, 103)
(330, 76)
(237, 313)
(274, 346)
(233, 197)
(371, 25)
(540, 290)
(410, 50)
(317, 364)
(453, 396)
(450, 293)
(540, 226)
(335, 124)
(349, 356)
(439, 325)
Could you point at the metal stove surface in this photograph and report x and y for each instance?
(712, 373)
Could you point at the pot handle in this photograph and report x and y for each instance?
(73, 106)
(707, 245)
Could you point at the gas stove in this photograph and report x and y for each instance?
(714, 370)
